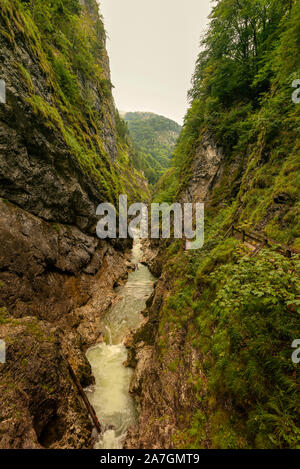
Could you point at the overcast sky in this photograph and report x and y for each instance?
(153, 46)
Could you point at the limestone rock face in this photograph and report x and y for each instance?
(48, 269)
(52, 278)
(40, 407)
(205, 170)
(37, 169)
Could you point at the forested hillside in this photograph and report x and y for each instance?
(155, 137)
(222, 353)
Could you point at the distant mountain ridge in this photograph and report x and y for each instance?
(155, 137)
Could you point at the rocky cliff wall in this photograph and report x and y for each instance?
(60, 156)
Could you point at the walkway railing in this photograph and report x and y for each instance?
(260, 241)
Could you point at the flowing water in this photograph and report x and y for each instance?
(110, 396)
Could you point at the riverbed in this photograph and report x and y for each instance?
(114, 406)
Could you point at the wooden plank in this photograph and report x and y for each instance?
(256, 251)
(87, 403)
(230, 230)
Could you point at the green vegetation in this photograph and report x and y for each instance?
(242, 311)
(155, 137)
(242, 96)
(253, 319)
(166, 188)
(4, 316)
(244, 315)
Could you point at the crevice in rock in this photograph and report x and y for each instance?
(52, 432)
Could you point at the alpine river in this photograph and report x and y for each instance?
(113, 404)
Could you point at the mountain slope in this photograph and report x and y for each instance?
(155, 138)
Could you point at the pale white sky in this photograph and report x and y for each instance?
(153, 46)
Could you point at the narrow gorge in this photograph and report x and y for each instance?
(174, 348)
(110, 395)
